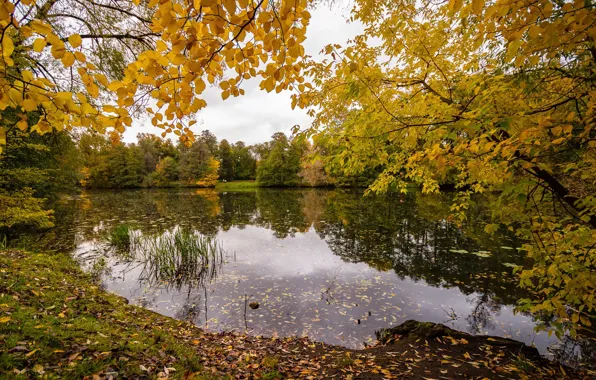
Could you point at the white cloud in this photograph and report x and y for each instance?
(254, 117)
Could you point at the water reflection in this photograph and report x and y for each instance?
(328, 264)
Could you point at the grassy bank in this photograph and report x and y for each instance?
(55, 322)
(237, 185)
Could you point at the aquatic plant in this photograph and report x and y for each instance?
(120, 236)
(180, 257)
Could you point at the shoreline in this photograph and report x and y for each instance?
(55, 322)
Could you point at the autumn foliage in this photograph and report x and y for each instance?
(75, 69)
(494, 96)
(484, 96)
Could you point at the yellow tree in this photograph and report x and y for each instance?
(94, 63)
(211, 176)
(487, 96)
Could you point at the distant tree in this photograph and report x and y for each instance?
(226, 159)
(211, 175)
(245, 164)
(149, 145)
(313, 173)
(94, 150)
(261, 150)
(135, 166)
(194, 161)
(167, 170)
(209, 140)
(126, 166)
(281, 165)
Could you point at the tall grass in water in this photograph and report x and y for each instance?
(120, 236)
(180, 257)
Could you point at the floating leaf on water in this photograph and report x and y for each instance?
(481, 253)
(511, 265)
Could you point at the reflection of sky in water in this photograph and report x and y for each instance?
(289, 278)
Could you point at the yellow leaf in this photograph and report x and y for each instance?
(199, 85)
(80, 56)
(32, 352)
(58, 50)
(75, 40)
(23, 125)
(68, 59)
(7, 46)
(29, 105)
(102, 79)
(39, 44)
(269, 84)
(41, 27)
(477, 6)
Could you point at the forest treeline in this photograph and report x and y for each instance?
(37, 169)
(156, 162)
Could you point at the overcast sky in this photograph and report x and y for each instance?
(254, 117)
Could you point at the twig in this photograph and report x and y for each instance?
(246, 298)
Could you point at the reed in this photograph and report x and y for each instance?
(179, 257)
(120, 236)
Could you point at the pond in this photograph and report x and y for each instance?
(332, 265)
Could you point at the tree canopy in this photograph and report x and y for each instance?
(484, 96)
(93, 64)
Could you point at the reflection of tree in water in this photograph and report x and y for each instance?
(238, 210)
(481, 317)
(397, 237)
(408, 234)
(574, 351)
(282, 214)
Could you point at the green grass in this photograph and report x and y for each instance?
(120, 236)
(54, 321)
(237, 185)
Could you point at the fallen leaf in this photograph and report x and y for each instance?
(32, 352)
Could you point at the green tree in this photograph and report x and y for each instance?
(166, 171)
(226, 159)
(94, 149)
(149, 145)
(281, 164)
(194, 161)
(33, 169)
(245, 164)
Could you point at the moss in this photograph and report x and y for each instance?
(272, 375)
(270, 362)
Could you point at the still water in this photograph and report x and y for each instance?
(328, 264)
